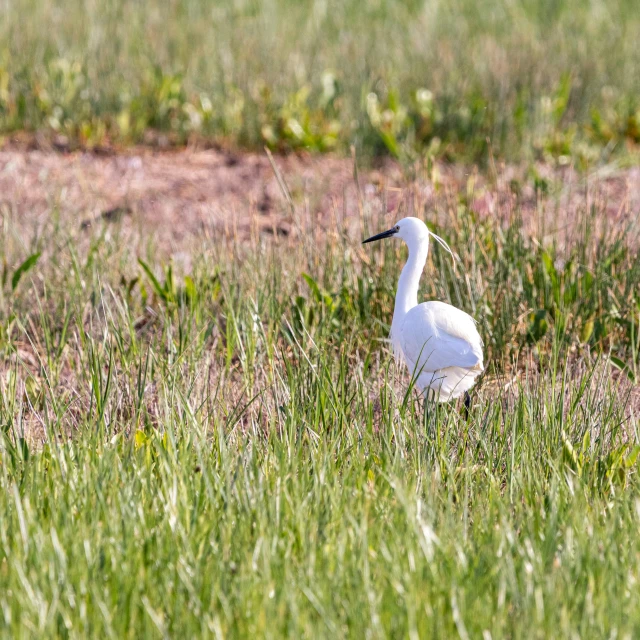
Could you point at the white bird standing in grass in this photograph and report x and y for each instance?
(439, 344)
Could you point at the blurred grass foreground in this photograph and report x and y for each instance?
(525, 80)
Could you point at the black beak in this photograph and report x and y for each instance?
(381, 236)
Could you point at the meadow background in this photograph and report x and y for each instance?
(202, 430)
(529, 79)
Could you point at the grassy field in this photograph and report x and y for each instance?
(202, 430)
(228, 450)
(557, 80)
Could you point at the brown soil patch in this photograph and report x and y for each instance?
(175, 194)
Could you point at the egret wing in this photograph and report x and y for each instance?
(435, 335)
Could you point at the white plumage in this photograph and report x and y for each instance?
(439, 344)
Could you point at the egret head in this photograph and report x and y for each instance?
(414, 232)
(407, 229)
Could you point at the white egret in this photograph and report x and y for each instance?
(439, 343)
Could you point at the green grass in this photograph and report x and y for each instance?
(231, 451)
(551, 79)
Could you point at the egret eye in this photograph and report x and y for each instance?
(397, 227)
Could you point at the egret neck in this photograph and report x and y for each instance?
(407, 295)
